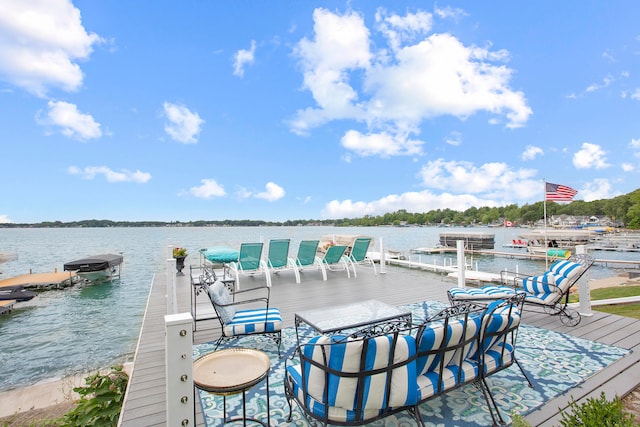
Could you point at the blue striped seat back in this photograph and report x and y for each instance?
(565, 268)
(543, 284)
(501, 318)
(360, 374)
(499, 332)
(447, 342)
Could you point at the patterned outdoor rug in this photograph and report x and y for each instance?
(555, 362)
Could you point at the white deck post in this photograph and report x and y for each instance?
(383, 263)
(461, 266)
(179, 370)
(172, 301)
(584, 292)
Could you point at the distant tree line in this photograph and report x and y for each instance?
(624, 209)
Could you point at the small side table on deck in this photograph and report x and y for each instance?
(232, 371)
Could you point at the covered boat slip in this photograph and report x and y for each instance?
(97, 267)
(145, 403)
(94, 263)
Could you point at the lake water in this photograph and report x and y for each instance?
(82, 328)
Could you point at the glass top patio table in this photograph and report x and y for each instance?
(341, 318)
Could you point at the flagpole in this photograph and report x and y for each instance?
(546, 243)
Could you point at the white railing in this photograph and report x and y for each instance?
(179, 370)
(180, 395)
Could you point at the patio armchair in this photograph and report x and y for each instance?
(358, 254)
(245, 312)
(250, 263)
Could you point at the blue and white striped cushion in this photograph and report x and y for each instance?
(544, 299)
(346, 356)
(433, 337)
(501, 354)
(294, 377)
(540, 284)
(566, 268)
(498, 320)
(486, 292)
(403, 379)
(429, 385)
(254, 321)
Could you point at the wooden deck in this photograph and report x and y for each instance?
(145, 401)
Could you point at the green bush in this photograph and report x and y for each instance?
(597, 412)
(100, 400)
(518, 420)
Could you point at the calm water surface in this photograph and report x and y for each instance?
(86, 327)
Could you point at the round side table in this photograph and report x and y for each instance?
(232, 371)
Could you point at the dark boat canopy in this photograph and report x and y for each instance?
(94, 263)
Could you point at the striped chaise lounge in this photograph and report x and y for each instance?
(549, 290)
(257, 318)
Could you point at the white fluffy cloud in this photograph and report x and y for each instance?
(272, 192)
(598, 189)
(74, 124)
(242, 58)
(531, 152)
(90, 172)
(380, 144)
(590, 156)
(495, 180)
(460, 185)
(182, 125)
(4, 219)
(207, 189)
(420, 76)
(40, 43)
(421, 201)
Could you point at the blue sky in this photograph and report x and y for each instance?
(281, 110)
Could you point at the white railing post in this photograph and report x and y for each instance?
(584, 292)
(179, 370)
(383, 262)
(461, 263)
(172, 300)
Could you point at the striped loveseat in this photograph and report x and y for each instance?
(356, 379)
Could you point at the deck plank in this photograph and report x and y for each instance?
(146, 399)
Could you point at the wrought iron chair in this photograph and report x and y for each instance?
(245, 312)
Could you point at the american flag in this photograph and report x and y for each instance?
(559, 193)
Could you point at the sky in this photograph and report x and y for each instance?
(201, 110)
